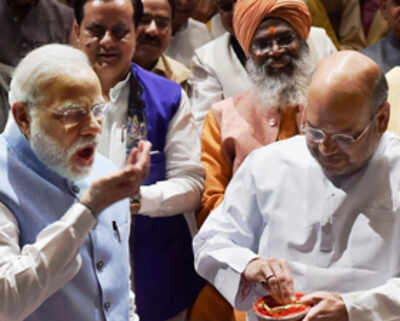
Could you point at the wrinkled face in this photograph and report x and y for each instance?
(343, 114)
(183, 10)
(391, 12)
(107, 35)
(154, 32)
(64, 127)
(225, 9)
(275, 44)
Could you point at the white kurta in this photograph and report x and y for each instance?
(336, 238)
(217, 73)
(188, 38)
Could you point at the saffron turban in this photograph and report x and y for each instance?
(249, 14)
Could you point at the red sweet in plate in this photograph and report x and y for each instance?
(266, 308)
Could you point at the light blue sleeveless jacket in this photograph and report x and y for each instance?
(38, 197)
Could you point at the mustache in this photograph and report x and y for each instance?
(149, 39)
(83, 142)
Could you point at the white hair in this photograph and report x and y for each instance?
(40, 66)
(281, 90)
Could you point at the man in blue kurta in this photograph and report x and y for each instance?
(143, 104)
(64, 214)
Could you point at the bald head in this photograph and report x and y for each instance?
(347, 112)
(349, 75)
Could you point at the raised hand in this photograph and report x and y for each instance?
(109, 189)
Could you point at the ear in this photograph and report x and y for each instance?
(383, 117)
(22, 118)
(75, 33)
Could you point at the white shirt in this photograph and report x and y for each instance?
(217, 72)
(29, 275)
(340, 238)
(188, 38)
(180, 191)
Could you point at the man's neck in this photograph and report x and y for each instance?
(109, 82)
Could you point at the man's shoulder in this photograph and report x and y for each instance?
(373, 51)
(180, 73)
(209, 47)
(291, 153)
(146, 77)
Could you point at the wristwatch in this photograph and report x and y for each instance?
(135, 203)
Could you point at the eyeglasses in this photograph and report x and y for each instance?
(73, 115)
(162, 23)
(342, 140)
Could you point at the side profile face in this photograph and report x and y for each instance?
(347, 126)
(153, 33)
(183, 10)
(225, 9)
(391, 11)
(65, 125)
(107, 35)
(275, 44)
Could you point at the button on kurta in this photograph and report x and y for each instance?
(100, 265)
(107, 306)
(272, 122)
(75, 189)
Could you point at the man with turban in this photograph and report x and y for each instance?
(218, 69)
(272, 34)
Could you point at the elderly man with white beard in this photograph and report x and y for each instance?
(272, 35)
(64, 209)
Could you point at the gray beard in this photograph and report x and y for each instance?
(49, 152)
(281, 90)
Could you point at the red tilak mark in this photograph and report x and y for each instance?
(272, 30)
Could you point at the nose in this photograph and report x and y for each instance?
(152, 28)
(92, 126)
(276, 50)
(107, 39)
(327, 146)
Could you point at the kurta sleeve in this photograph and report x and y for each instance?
(218, 170)
(228, 239)
(378, 304)
(206, 89)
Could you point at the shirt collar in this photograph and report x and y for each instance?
(115, 91)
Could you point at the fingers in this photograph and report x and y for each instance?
(281, 284)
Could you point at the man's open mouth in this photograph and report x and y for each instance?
(85, 155)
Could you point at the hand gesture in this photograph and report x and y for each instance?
(325, 307)
(109, 189)
(275, 276)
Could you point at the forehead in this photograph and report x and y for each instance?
(116, 11)
(79, 85)
(334, 109)
(271, 26)
(156, 6)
